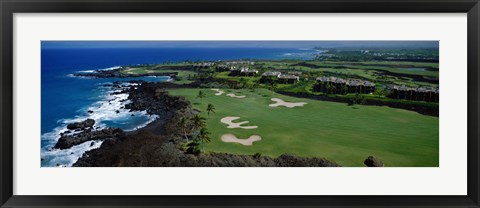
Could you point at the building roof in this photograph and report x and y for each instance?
(288, 76)
(272, 73)
(369, 84)
(247, 70)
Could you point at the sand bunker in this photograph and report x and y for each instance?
(280, 102)
(246, 142)
(219, 92)
(228, 120)
(235, 96)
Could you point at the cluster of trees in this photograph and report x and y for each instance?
(330, 88)
(335, 88)
(378, 54)
(196, 125)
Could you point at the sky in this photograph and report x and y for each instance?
(237, 44)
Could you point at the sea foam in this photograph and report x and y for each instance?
(109, 111)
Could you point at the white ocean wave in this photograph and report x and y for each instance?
(87, 71)
(67, 157)
(78, 77)
(109, 68)
(109, 109)
(96, 70)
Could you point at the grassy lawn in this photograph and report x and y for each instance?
(344, 134)
(224, 75)
(136, 71)
(182, 74)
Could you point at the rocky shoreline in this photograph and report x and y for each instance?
(159, 144)
(68, 141)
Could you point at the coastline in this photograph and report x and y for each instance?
(160, 146)
(64, 144)
(116, 73)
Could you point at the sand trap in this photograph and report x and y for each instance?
(228, 120)
(280, 102)
(235, 96)
(219, 92)
(246, 142)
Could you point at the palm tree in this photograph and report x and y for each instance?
(273, 86)
(201, 94)
(345, 89)
(210, 108)
(183, 124)
(198, 122)
(204, 136)
(330, 88)
(334, 89)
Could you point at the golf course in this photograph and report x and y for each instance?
(346, 134)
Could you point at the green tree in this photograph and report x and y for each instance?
(198, 122)
(243, 82)
(273, 86)
(334, 89)
(210, 108)
(345, 89)
(330, 88)
(358, 99)
(201, 94)
(204, 136)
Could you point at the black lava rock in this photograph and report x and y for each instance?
(371, 161)
(81, 125)
(66, 142)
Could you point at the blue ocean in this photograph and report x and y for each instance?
(67, 99)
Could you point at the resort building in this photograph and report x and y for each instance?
(287, 78)
(272, 74)
(336, 85)
(427, 94)
(244, 71)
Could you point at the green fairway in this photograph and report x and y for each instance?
(335, 131)
(182, 75)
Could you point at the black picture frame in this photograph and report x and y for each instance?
(10, 7)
